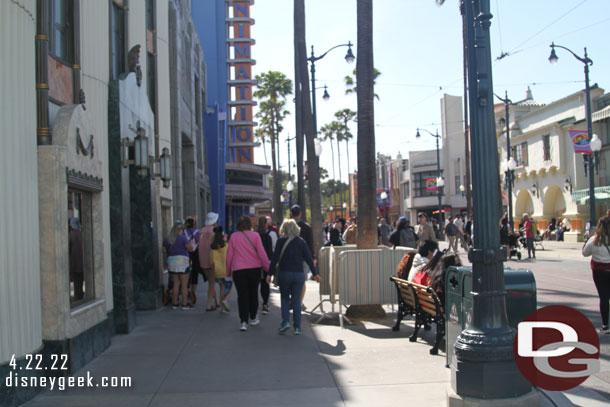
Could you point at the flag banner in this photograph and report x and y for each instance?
(580, 141)
(431, 184)
(286, 197)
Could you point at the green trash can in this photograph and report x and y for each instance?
(520, 287)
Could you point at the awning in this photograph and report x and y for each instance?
(601, 114)
(599, 197)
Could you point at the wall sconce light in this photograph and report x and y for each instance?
(164, 171)
(140, 146)
(462, 189)
(567, 184)
(534, 190)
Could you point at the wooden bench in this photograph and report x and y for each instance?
(424, 304)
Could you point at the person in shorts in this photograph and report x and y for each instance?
(177, 247)
(206, 237)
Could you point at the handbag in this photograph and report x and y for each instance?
(277, 266)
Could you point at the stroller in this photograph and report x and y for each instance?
(513, 244)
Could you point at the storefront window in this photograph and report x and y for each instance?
(80, 248)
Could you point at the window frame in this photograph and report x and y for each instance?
(67, 28)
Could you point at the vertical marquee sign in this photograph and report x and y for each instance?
(240, 82)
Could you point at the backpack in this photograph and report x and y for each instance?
(452, 230)
(408, 237)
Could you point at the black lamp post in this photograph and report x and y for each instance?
(384, 199)
(510, 163)
(349, 57)
(594, 144)
(439, 180)
(484, 364)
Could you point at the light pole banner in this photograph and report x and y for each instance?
(431, 184)
(581, 141)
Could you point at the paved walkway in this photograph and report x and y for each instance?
(198, 358)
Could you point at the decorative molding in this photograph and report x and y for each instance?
(84, 181)
(80, 147)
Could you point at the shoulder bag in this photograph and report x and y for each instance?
(277, 266)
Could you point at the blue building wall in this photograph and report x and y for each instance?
(209, 19)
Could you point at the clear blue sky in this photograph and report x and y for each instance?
(418, 49)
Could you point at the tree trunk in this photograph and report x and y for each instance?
(299, 35)
(307, 122)
(277, 185)
(367, 219)
(332, 156)
(349, 192)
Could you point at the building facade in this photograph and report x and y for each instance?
(89, 137)
(418, 190)
(550, 179)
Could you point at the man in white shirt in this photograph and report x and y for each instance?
(460, 226)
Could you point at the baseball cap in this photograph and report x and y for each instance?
(295, 210)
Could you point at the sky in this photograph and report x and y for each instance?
(418, 50)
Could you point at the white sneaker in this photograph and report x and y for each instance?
(255, 321)
(604, 330)
(243, 327)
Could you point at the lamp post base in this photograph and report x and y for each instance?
(488, 380)
(531, 399)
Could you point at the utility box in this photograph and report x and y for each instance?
(520, 287)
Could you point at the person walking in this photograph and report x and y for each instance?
(206, 236)
(218, 260)
(263, 232)
(384, 232)
(598, 247)
(190, 230)
(424, 230)
(451, 230)
(504, 234)
(290, 253)
(177, 248)
(307, 235)
(528, 229)
(245, 258)
(459, 222)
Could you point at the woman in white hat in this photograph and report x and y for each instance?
(206, 237)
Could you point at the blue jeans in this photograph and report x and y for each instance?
(291, 286)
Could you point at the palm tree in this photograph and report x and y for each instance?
(304, 107)
(329, 132)
(272, 88)
(350, 82)
(345, 116)
(367, 220)
(261, 133)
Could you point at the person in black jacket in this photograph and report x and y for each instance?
(268, 246)
(307, 235)
(289, 261)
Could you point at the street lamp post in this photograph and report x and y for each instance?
(510, 163)
(439, 180)
(484, 365)
(289, 188)
(586, 61)
(349, 57)
(344, 209)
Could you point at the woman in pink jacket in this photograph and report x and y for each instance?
(245, 259)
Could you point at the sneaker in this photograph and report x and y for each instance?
(297, 331)
(604, 329)
(187, 307)
(265, 309)
(284, 327)
(175, 306)
(225, 306)
(255, 321)
(243, 326)
(303, 307)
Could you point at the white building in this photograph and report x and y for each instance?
(549, 178)
(420, 166)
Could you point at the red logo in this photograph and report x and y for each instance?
(556, 348)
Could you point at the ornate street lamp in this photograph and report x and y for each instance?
(439, 180)
(586, 61)
(349, 57)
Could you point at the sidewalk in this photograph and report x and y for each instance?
(197, 358)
